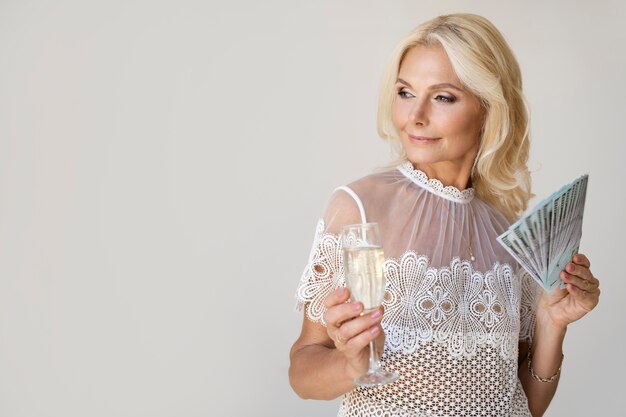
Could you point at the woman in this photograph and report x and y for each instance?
(459, 314)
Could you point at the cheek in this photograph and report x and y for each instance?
(465, 123)
(399, 115)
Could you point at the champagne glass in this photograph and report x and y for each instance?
(363, 263)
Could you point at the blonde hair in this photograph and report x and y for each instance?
(486, 66)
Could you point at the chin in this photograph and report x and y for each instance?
(422, 157)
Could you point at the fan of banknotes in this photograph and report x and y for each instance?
(544, 240)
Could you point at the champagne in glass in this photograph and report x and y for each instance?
(364, 272)
(363, 260)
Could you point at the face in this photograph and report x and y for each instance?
(438, 120)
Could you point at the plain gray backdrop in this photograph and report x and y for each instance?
(163, 165)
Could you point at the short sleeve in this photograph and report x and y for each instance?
(530, 294)
(323, 272)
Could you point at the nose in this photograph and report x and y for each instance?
(419, 112)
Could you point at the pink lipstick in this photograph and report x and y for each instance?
(422, 140)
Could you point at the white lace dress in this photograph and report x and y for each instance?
(452, 325)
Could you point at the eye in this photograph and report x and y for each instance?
(445, 98)
(404, 94)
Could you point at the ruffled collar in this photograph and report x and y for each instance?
(435, 186)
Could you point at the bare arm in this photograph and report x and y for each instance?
(556, 310)
(326, 360)
(546, 359)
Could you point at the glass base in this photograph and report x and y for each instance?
(376, 378)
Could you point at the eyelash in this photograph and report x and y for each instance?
(441, 98)
(445, 99)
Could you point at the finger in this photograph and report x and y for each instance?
(340, 313)
(588, 285)
(581, 259)
(363, 339)
(578, 270)
(340, 295)
(587, 301)
(584, 273)
(352, 328)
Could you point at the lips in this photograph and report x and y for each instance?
(422, 140)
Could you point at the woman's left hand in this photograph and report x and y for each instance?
(563, 306)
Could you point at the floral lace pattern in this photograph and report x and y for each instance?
(451, 333)
(434, 185)
(531, 292)
(454, 305)
(322, 274)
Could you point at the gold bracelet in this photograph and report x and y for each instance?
(537, 377)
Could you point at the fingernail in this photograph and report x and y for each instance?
(376, 314)
(570, 267)
(342, 292)
(356, 306)
(374, 330)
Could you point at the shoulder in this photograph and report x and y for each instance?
(376, 185)
(346, 201)
(342, 208)
(379, 178)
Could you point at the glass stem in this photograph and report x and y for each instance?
(374, 361)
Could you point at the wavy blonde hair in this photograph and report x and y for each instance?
(486, 66)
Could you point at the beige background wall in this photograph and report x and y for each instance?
(163, 165)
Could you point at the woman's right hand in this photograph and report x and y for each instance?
(350, 331)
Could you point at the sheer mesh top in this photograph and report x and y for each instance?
(452, 324)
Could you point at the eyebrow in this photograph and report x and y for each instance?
(433, 87)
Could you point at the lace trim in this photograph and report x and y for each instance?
(454, 305)
(435, 186)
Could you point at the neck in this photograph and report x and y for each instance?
(449, 173)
